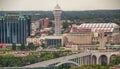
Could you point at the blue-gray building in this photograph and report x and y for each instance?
(14, 28)
(53, 41)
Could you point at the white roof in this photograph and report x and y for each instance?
(53, 37)
(97, 27)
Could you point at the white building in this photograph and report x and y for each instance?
(57, 16)
(97, 27)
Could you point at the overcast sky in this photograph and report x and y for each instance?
(64, 4)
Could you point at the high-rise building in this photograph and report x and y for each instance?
(57, 16)
(14, 28)
(43, 23)
(46, 22)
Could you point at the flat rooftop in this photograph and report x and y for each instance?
(52, 37)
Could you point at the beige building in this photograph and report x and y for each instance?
(35, 41)
(92, 35)
(77, 39)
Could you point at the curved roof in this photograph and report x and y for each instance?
(98, 25)
(57, 7)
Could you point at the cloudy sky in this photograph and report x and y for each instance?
(65, 4)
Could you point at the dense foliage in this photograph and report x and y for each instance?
(116, 61)
(65, 24)
(79, 16)
(11, 61)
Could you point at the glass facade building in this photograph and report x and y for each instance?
(53, 42)
(14, 28)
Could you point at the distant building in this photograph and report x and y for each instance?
(53, 41)
(35, 41)
(97, 27)
(43, 23)
(109, 30)
(77, 39)
(38, 25)
(57, 16)
(56, 40)
(46, 22)
(88, 35)
(14, 28)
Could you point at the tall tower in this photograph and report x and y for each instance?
(57, 16)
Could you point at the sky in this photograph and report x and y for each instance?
(65, 5)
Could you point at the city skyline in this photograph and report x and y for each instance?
(48, 5)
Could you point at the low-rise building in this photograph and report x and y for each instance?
(92, 35)
(53, 41)
(34, 40)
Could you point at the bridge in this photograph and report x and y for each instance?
(86, 58)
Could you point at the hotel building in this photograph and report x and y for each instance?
(14, 28)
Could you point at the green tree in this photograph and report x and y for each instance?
(42, 45)
(65, 24)
(22, 47)
(13, 46)
(46, 56)
(116, 61)
(31, 46)
(17, 62)
(58, 45)
(6, 60)
(31, 59)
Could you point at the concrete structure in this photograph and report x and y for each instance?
(77, 39)
(52, 41)
(59, 61)
(34, 40)
(90, 34)
(57, 15)
(102, 58)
